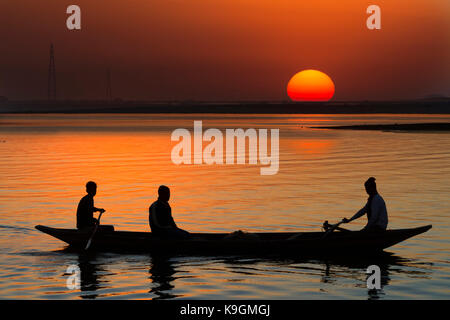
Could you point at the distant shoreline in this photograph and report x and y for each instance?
(425, 106)
(436, 127)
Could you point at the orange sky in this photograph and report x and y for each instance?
(225, 49)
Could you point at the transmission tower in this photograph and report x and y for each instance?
(51, 75)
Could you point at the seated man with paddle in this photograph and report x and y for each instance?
(375, 208)
(86, 209)
(160, 217)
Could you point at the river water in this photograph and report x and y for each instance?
(46, 160)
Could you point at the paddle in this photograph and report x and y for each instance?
(331, 227)
(328, 229)
(93, 233)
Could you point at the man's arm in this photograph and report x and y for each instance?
(91, 209)
(101, 210)
(171, 221)
(94, 209)
(357, 215)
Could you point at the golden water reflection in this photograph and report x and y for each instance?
(47, 159)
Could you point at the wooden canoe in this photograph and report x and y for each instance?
(348, 243)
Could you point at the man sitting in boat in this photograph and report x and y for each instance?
(86, 209)
(160, 217)
(375, 208)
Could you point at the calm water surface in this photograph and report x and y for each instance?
(47, 159)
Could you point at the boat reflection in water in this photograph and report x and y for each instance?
(145, 276)
(332, 273)
(91, 275)
(162, 277)
(384, 262)
(389, 264)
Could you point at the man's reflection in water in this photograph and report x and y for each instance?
(412, 268)
(356, 268)
(89, 276)
(334, 269)
(374, 294)
(161, 274)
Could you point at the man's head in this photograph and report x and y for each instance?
(371, 186)
(91, 188)
(164, 193)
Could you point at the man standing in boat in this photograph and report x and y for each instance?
(160, 217)
(86, 209)
(375, 208)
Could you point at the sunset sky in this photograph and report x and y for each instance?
(223, 50)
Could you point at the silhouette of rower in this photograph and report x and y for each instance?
(86, 209)
(377, 217)
(160, 217)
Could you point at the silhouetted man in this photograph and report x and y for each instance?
(86, 209)
(375, 208)
(160, 217)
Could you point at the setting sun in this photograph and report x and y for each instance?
(310, 85)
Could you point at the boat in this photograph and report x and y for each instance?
(302, 243)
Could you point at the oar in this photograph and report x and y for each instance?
(93, 233)
(331, 227)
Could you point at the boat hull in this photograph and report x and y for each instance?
(354, 242)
